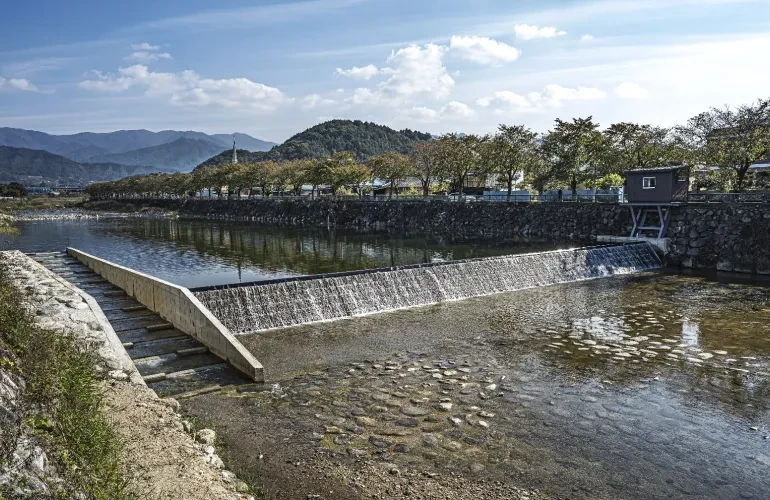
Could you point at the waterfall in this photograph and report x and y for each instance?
(280, 303)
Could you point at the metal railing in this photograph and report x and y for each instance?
(747, 197)
(692, 197)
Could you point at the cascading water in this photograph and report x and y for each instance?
(294, 301)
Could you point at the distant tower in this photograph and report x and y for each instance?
(235, 153)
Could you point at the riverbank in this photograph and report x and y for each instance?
(79, 420)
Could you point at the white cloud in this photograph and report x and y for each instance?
(144, 57)
(415, 71)
(556, 95)
(504, 98)
(456, 109)
(189, 89)
(453, 110)
(362, 73)
(630, 90)
(586, 38)
(552, 95)
(144, 46)
(418, 70)
(313, 101)
(530, 32)
(483, 50)
(19, 84)
(423, 114)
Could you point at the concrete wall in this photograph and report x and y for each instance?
(178, 306)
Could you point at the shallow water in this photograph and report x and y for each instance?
(203, 253)
(655, 385)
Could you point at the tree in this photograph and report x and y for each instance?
(459, 156)
(339, 168)
(509, 152)
(730, 138)
(629, 146)
(393, 167)
(610, 181)
(572, 151)
(296, 174)
(318, 174)
(13, 190)
(426, 160)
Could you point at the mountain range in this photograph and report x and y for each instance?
(34, 166)
(168, 150)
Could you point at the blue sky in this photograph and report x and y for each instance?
(272, 68)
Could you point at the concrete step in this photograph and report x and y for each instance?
(192, 381)
(142, 335)
(137, 307)
(157, 327)
(122, 314)
(179, 345)
(115, 303)
(172, 362)
(123, 325)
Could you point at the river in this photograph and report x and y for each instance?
(654, 385)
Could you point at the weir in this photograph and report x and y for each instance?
(253, 307)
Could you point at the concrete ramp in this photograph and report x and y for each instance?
(182, 313)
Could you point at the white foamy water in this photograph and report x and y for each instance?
(253, 308)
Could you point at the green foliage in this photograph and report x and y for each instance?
(63, 402)
(13, 190)
(628, 146)
(610, 181)
(392, 167)
(572, 150)
(730, 138)
(509, 153)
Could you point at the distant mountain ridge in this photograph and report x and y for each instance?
(363, 138)
(34, 166)
(132, 147)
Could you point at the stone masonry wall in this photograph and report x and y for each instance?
(727, 237)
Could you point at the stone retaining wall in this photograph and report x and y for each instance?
(728, 237)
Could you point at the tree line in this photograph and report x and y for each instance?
(572, 154)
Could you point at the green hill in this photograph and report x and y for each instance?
(363, 138)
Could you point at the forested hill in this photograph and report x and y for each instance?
(32, 166)
(363, 138)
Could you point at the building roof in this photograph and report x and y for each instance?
(654, 170)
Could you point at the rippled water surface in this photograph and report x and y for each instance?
(201, 253)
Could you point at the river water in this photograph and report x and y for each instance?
(654, 385)
(202, 253)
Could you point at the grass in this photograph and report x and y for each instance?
(8, 206)
(62, 404)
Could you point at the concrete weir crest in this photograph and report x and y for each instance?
(178, 306)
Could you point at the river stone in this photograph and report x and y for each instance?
(206, 436)
(413, 411)
(430, 440)
(366, 421)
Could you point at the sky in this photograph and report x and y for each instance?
(273, 68)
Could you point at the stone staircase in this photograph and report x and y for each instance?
(171, 362)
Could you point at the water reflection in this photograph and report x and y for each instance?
(200, 253)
